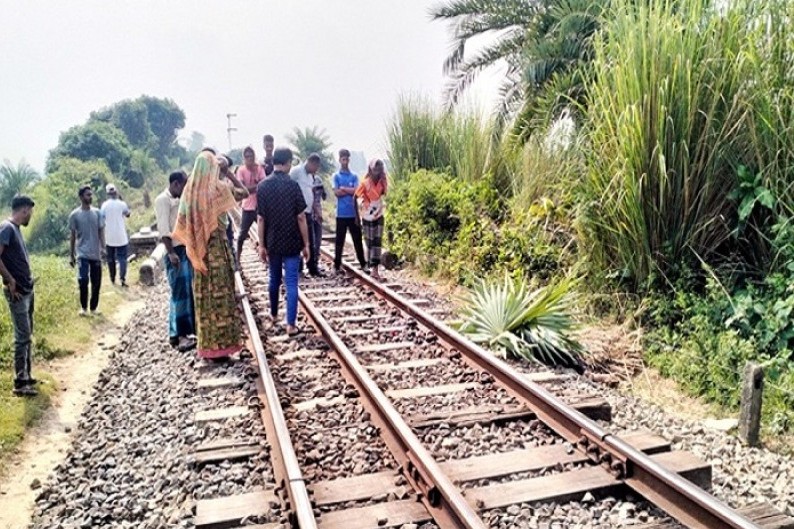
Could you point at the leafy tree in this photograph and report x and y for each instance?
(15, 180)
(96, 140)
(132, 117)
(56, 197)
(311, 140)
(236, 155)
(165, 119)
(543, 44)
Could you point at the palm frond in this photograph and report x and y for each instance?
(512, 320)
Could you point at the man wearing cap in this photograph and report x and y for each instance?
(18, 291)
(117, 242)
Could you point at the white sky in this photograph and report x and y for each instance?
(339, 64)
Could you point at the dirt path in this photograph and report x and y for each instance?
(46, 444)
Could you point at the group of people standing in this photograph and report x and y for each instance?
(193, 218)
(93, 232)
(194, 221)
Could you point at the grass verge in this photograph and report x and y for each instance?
(58, 331)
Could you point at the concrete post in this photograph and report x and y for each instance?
(750, 414)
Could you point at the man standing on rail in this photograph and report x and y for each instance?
(117, 241)
(345, 185)
(306, 175)
(250, 174)
(283, 234)
(267, 163)
(181, 317)
(18, 291)
(87, 240)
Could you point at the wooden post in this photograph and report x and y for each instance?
(750, 414)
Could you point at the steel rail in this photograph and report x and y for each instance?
(286, 469)
(440, 496)
(677, 496)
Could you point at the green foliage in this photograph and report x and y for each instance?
(663, 110)
(512, 320)
(96, 140)
(56, 197)
(702, 337)
(56, 322)
(15, 180)
(463, 230)
(459, 143)
(19, 414)
(313, 140)
(545, 45)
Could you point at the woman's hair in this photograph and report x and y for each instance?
(247, 150)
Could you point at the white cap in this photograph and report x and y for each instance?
(110, 188)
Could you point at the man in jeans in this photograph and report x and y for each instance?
(87, 228)
(345, 185)
(283, 234)
(306, 177)
(18, 290)
(115, 210)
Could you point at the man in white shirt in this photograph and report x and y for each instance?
(115, 211)
(182, 314)
(306, 176)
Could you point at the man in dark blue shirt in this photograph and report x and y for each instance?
(18, 290)
(283, 233)
(345, 185)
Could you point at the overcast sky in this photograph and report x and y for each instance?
(338, 64)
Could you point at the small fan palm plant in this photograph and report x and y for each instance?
(512, 320)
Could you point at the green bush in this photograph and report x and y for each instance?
(464, 230)
(702, 338)
(56, 324)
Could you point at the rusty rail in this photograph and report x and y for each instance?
(440, 496)
(285, 463)
(677, 496)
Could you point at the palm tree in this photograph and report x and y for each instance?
(310, 140)
(15, 180)
(543, 43)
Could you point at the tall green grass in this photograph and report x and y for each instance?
(665, 114)
(422, 136)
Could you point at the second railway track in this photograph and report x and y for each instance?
(386, 417)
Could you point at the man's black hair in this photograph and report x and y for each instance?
(209, 149)
(314, 157)
(83, 189)
(344, 153)
(228, 159)
(267, 137)
(177, 176)
(21, 201)
(282, 156)
(249, 149)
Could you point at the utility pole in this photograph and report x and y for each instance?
(229, 127)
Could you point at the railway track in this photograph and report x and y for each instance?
(386, 417)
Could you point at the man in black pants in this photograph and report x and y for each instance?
(87, 227)
(345, 184)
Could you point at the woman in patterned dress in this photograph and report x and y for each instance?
(201, 227)
(369, 196)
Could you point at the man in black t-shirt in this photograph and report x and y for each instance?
(18, 290)
(283, 233)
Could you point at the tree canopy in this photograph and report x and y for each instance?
(15, 180)
(311, 140)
